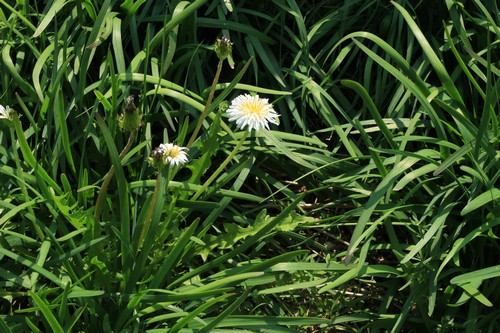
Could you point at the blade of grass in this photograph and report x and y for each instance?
(437, 222)
(438, 66)
(55, 7)
(11, 69)
(481, 200)
(379, 193)
(250, 241)
(29, 158)
(47, 314)
(127, 262)
(227, 312)
(372, 108)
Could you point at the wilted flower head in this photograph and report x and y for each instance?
(5, 112)
(168, 154)
(130, 105)
(131, 119)
(252, 111)
(223, 47)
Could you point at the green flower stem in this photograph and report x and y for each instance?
(221, 167)
(101, 197)
(149, 215)
(207, 106)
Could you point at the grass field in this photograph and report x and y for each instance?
(249, 166)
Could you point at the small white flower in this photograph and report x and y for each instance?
(4, 112)
(252, 111)
(174, 155)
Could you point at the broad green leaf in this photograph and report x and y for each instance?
(481, 200)
(477, 275)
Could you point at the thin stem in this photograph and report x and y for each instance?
(207, 106)
(104, 187)
(149, 215)
(221, 167)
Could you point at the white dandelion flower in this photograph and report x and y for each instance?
(252, 111)
(174, 155)
(4, 112)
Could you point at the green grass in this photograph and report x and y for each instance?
(372, 206)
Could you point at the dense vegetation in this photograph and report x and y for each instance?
(372, 206)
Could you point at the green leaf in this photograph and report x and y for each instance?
(57, 5)
(47, 314)
(107, 105)
(76, 215)
(481, 200)
(208, 148)
(122, 193)
(379, 193)
(454, 157)
(470, 290)
(437, 223)
(433, 58)
(227, 312)
(477, 275)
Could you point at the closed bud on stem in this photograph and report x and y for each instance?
(131, 118)
(157, 158)
(223, 47)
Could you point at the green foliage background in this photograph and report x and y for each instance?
(373, 206)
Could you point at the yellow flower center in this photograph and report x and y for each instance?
(253, 107)
(174, 152)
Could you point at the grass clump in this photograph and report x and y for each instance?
(249, 166)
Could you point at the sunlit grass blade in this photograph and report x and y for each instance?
(52, 322)
(11, 68)
(481, 200)
(30, 159)
(189, 10)
(433, 58)
(49, 16)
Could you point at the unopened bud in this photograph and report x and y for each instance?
(223, 47)
(157, 158)
(131, 119)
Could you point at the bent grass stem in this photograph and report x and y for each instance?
(99, 206)
(207, 106)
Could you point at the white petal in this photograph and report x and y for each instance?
(251, 111)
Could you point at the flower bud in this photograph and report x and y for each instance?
(223, 47)
(157, 158)
(131, 118)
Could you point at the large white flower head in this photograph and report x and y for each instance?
(174, 155)
(4, 112)
(252, 111)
